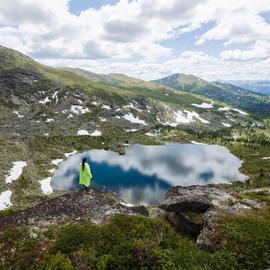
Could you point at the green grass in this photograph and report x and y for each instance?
(253, 166)
(261, 196)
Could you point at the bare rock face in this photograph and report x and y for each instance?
(96, 206)
(196, 210)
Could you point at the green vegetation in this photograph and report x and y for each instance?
(256, 104)
(133, 242)
(103, 85)
(249, 237)
(136, 243)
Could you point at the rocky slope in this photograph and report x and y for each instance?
(97, 207)
(46, 112)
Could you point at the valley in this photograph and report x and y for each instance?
(49, 114)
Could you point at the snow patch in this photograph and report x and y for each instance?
(185, 117)
(5, 197)
(77, 109)
(70, 154)
(49, 120)
(106, 107)
(82, 132)
(204, 105)
(46, 186)
(54, 96)
(56, 161)
(226, 109)
(96, 133)
(15, 171)
(239, 111)
(51, 170)
(45, 101)
(18, 114)
(131, 130)
(226, 125)
(136, 120)
(102, 119)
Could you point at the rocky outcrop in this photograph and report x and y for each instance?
(196, 210)
(97, 206)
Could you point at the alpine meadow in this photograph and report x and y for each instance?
(134, 134)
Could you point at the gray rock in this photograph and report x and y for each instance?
(97, 206)
(196, 209)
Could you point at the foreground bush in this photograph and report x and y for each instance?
(136, 243)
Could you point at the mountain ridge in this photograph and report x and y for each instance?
(255, 103)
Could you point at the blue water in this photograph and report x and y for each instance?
(145, 173)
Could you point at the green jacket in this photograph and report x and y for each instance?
(85, 175)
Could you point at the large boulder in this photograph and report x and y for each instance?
(196, 210)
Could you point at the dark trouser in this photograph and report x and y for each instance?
(86, 188)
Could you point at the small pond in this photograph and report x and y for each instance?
(145, 173)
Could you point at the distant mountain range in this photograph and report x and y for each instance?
(260, 86)
(256, 103)
(42, 98)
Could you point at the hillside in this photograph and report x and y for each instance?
(48, 114)
(256, 104)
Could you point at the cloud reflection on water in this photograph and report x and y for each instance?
(144, 173)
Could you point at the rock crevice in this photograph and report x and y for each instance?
(195, 210)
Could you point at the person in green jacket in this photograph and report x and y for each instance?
(85, 175)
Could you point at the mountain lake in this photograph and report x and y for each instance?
(144, 173)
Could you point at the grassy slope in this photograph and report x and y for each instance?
(90, 82)
(135, 86)
(249, 236)
(257, 104)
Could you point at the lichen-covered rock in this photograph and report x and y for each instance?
(205, 237)
(196, 210)
(96, 206)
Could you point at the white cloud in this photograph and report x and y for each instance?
(190, 62)
(238, 27)
(114, 37)
(258, 51)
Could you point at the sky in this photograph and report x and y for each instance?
(147, 39)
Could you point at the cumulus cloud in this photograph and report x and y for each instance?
(123, 31)
(130, 35)
(238, 27)
(258, 51)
